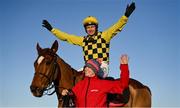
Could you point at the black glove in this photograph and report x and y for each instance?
(47, 25)
(130, 9)
(69, 99)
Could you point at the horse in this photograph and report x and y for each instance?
(51, 71)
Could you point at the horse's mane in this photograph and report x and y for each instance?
(64, 64)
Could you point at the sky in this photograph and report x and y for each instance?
(150, 39)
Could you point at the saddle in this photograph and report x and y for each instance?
(117, 100)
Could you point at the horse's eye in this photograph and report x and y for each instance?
(48, 63)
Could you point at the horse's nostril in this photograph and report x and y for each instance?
(39, 90)
(32, 88)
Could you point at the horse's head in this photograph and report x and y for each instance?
(46, 69)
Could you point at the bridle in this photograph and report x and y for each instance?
(51, 78)
(55, 69)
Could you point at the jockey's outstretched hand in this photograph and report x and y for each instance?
(130, 9)
(124, 59)
(47, 25)
(64, 92)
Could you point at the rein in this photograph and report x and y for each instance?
(59, 87)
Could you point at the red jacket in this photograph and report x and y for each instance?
(92, 91)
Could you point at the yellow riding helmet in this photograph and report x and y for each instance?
(90, 20)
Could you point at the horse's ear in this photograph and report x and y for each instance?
(55, 46)
(38, 48)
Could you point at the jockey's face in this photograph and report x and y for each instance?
(90, 29)
(89, 72)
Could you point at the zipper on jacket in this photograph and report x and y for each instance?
(87, 92)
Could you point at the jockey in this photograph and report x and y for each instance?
(95, 44)
(92, 91)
